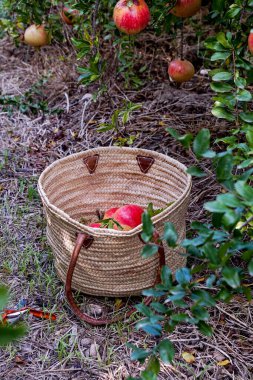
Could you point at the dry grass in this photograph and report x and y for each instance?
(67, 349)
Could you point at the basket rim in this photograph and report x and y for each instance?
(105, 232)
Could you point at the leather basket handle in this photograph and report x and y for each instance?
(84, 240)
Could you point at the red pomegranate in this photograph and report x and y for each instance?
(131, 16)
(250, 41)
(110, 213)
(95, 225)
(186, 8)
(129, 216)
(181, 70)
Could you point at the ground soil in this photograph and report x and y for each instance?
(66, 348)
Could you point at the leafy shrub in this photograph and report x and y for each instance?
(8, 333)
(224, 245)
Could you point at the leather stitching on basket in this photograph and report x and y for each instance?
(91, 163)
(145, 163)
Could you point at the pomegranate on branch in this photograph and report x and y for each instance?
(250, 41)
(186, 8)
(131, 16)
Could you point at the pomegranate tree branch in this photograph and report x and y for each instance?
(93, 24)
(182, 42)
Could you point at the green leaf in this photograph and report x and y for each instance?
(231, 277)
(153, 293)
(247, 292)
(201, 142)
(177, 294)
(180, 317)
(209, 154)
(214, 45)
(218, 5)
(166, 351)
(200, 313)
(222, 113)
(221, 38)
(231, 218)
(149, 250)
(166, 276)
(215, 206)
(244, 191)
(170, 234)
(173, 133)
(210, 280)
(143, 309)
(222, 76)
(4, 297)
(246, 116)
(224, 167)
(138, 353)
(229, 200)
(227, 101)
(221, 87)
(152, 212)
(246, 164)
(240, 82)
(185, 140)
(148, 375)
(159, 307)
(244, 96)
(224, 295)
(148, 228)
(203, 298)
(220, 56)
(9, 333)
(183, 276)
(205, 329)
(233, 11)
(196, 171)
(153, 365)
(250, 267)
(153, 329)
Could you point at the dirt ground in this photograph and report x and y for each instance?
(66, 348)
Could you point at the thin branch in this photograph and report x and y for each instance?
(246, 223)
(182, 42)
(93, 25)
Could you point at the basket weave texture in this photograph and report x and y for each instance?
(112, 266)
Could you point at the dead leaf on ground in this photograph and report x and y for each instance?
(223, 363)
(19, 360)
(188, 357)
(118, 304)
(201, 279)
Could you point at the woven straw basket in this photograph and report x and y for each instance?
(76, 186)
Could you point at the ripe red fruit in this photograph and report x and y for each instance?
(250, 41)
(95, 225)
(129, 216)
(110, 213)
(36, 35)
(186, 8)
(131, 16)
(181, 70)
(69, 15)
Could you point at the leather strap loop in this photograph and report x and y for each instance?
(81, 241)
